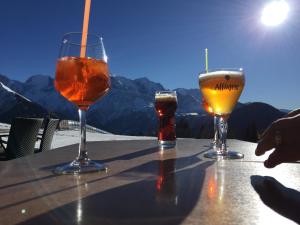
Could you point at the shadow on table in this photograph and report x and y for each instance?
(128, 156)
(133, 155)
(39, 179)
(167, 198)
(283, 200)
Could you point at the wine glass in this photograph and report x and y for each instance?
(221, 89)
(82, 80)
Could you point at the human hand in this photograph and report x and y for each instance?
(277, 196)
(282, 136)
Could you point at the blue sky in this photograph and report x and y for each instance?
(163, 40)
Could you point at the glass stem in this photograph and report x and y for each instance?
(216, 132)
(82, 154)
(223, 134)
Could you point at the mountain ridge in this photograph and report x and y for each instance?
(128, 108)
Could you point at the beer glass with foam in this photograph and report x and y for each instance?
(215, 141)
(166, 105)
(222, 89)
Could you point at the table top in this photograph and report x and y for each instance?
(144, 185)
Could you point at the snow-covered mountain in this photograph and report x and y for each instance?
(40, 89)
(127, 99)
(128, 108)
(14, 104)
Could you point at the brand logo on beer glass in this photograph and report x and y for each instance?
(166, 105)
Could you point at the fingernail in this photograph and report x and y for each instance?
(267, 164)
(257, 153)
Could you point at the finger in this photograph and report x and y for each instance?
(275, 158)
(267, 141)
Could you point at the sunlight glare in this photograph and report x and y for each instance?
(275, 13)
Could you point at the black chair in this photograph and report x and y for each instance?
(47, 136)
(21, 138)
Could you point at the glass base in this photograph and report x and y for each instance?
(214, 145)
(79, 167)
(213, 154)
(166, 144)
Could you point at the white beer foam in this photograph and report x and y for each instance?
(165, 97)
(221, 73)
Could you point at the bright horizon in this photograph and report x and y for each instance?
(163, 41)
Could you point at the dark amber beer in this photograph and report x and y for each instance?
(166, 105)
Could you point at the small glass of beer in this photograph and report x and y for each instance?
(166, 105)
(222, 89)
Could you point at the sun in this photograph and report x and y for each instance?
(275, 12)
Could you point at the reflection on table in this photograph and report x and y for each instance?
(144, 186)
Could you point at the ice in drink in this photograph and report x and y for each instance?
(82, 80)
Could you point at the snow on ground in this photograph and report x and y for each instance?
(4, 127)
(68, 137)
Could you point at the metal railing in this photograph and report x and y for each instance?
(74, 125)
